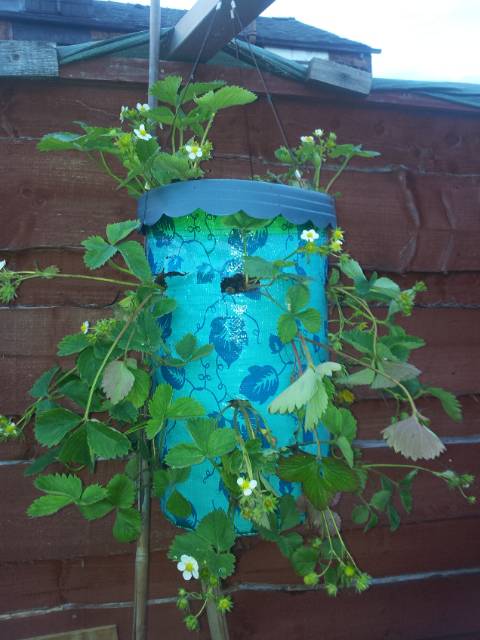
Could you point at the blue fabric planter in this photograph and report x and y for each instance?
(185, 237)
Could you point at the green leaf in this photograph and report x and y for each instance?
(161, 482)
(96, 510)
(339, 476)
(134, 255)
(318, 492)
(105, 441)
(179, 506)
(221, 565)
(289, 543)
(182, 408)
(59, 141)
(286, 327)
(72, 344)
(244, 222)
(186, 346)
(48, 505)
(127, 526)
(304, 560)
(167, 167)
(311, 319)
(405, 490)
(362, 377)
(121, 491)
(40, 387)
(197, 89)
(386, 287)
(393, 517)
(380, 499)
(399, 370)
(138, 394)
(93, 494)
(42, 462)
(288, 513)
(117, 381)
(75, 448)
(120, 230)
(160, 401)
(162, 115)
(98, 252)
(79, 391)
(346, 448)
(166, 90)
(225, 97)
(217, 529)
(257, 267)
(201, 429)
(450, 403)
(201, 352)
(60, 485)
(372, 522)
(53, 425)
(352, 270)
(297, 297)
(360, 514)
(316, 406)
(221, 442)
(184, 455)
(298, 467)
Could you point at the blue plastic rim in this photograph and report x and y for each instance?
(196, 252)
(224, 197)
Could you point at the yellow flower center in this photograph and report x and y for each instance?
(189, 567)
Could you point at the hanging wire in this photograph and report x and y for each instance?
(281, 128)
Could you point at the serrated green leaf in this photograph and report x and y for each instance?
(202, 352)
(93, 494)
(42, 462)
(53, 425)
(339, 476)
(288, 513)
(182, 408)
(201, 429)
(160, 401)
(449, 402)
(96, 510)
(78, 391)
(88, 365)
(197, 89)
(106, 442)
(304, 560)
(316, 406)
(362, 377)
(346, 449)
(184, 455)
(352, 269)
(59, 141)
(360, 514)
(121, 491)
(60, 485)
(153, 427)
(298, 467)
(127, 526)
(380, 499)
(166, 90)
(48, 505)
(217, 529)
(373, 521)
(257, 267)
(117, 381)
(119, 230)
(311, 319)
(286, 327)
(399, 370)
(221, 565)
(318, 492)
(393, 517)
(98, 252)
(134, 255)
(244, 222)
(75, 448)
(138, 394)
(186, 346)
(179, 506)
(225, 97)
(297, 297)
(221, 442)
(40, 387)
(289, 543)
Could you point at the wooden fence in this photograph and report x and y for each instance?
(414, 211)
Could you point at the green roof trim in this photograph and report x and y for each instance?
(239, 53)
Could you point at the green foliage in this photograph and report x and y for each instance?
(105, 441)
(98, 252)
(117, 381)
(53, 425)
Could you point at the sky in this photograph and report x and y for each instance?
(437, 40)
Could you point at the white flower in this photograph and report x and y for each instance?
(142, 133)
(123, 111)
(298, 175)
(413, 439)
(327, 369)
(188, 566)
(309, 235)
(194, 151)
(147, 186)
(2, 264)
(85, 326)
(142, 108)
(247, 486)
(318, 133)
(306, 139)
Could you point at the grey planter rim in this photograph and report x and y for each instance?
(222, 197)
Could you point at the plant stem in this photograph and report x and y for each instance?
(106, 166)
(207, 129)
(217, 621)
(142, 552)
(338, 174)
(79, 276)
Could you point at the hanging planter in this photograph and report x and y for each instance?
(202, 261)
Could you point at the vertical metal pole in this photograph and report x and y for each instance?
(154, 48)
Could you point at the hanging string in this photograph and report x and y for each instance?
(281, 128)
